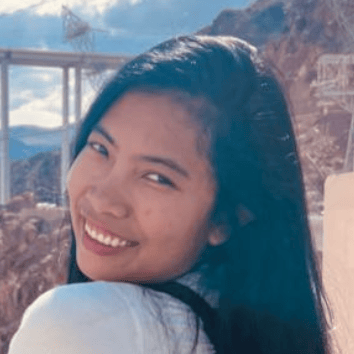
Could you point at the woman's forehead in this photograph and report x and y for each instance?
(157, 120)
(147, 127)
(169, 109)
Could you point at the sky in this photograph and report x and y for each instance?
(119, 27)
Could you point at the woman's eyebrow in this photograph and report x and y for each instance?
(173, 165)
(99, 129)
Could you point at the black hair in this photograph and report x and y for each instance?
(267, 275)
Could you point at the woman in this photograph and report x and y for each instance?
(188, 215)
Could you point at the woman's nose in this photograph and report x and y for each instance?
(106, 199)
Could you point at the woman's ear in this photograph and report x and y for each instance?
(217, 236)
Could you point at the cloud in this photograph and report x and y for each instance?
(7, 7)
(30, 83)
(43, 107)
(54, 7)
(26, 30)
(167, 17)
(90, 7)
(134, 29)
(38, 112)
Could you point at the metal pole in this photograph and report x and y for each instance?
(77, 95)
(4, 163)
(351, 159)
(65, 150)
(349, 155)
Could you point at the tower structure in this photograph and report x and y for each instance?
(76, 31)
(335, 85)
(81, 36)
(343, 10)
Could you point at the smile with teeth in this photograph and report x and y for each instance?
(105, 239)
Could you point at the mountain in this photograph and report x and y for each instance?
(27, 141)
(313, 22)
(39, 174)
(35, 161)
(39, 136)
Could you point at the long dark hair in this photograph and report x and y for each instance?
(271, 295)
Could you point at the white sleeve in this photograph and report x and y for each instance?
(79, 319)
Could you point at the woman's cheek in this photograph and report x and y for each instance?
(153, 213)
(88, 170)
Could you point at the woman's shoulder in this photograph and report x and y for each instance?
(105, 317)
(98, 295)
(86, 300)
(84, 318)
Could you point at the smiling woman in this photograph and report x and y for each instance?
(188, 216)
(138, 177)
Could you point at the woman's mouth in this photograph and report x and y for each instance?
(103, 243)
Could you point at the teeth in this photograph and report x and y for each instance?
(106, 240)
(115, 242)
(100, 238)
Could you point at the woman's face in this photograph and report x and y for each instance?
(141, 193)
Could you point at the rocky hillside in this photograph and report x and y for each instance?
(39, 174)
(293, 34)
(34, 244)
(312, 22)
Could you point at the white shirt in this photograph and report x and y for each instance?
(107, 318)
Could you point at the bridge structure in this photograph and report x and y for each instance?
(64, 61)
(335, 85)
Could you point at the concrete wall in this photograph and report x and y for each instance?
(338, 257)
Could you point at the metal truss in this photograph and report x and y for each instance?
(81, 36)
(335, 85)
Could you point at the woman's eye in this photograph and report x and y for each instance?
(98, 147)
(160, 179)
